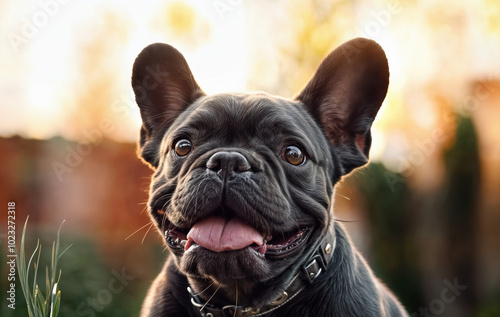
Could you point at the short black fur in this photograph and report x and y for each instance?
(235, 169)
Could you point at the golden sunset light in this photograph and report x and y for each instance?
(424, 212)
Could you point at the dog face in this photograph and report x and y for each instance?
(243, 183)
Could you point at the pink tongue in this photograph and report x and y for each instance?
(219, 234)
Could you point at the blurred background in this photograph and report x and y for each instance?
(425, 212)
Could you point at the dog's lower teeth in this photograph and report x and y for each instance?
(175, 242)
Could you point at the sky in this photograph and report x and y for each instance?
(65, 66)
(39, 57)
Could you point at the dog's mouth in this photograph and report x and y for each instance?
(218, 234)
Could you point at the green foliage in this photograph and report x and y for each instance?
(87, 274)
(40, 304)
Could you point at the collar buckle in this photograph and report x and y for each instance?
(316, 265)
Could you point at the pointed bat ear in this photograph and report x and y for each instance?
(164, 87)
(345, 95)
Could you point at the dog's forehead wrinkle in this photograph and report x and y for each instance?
(246, 110)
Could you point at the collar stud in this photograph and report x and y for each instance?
(280, 299)
(328, 248)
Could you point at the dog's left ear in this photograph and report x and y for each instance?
(345, 95)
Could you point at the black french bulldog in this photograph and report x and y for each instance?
(242, 189)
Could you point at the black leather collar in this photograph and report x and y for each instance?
(316, 264)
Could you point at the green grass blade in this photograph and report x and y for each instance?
(23, 272)
(53, 264)
(39, 305)
(55, 253)
(47, 289)
(33, 292)
(36, 264)
(65, 250)
(56, 301)
(53, 261)
(40, 302)
(57, 304)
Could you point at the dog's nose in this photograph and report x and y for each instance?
(228, 163)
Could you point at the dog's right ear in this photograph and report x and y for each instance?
(164, 87)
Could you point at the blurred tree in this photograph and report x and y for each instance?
(461, 195)
(395, 253)
(399, 217)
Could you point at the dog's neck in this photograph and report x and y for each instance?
(315, 265)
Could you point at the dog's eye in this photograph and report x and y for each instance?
(293, 155)
(183, 147)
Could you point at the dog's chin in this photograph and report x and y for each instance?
(245, 265)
